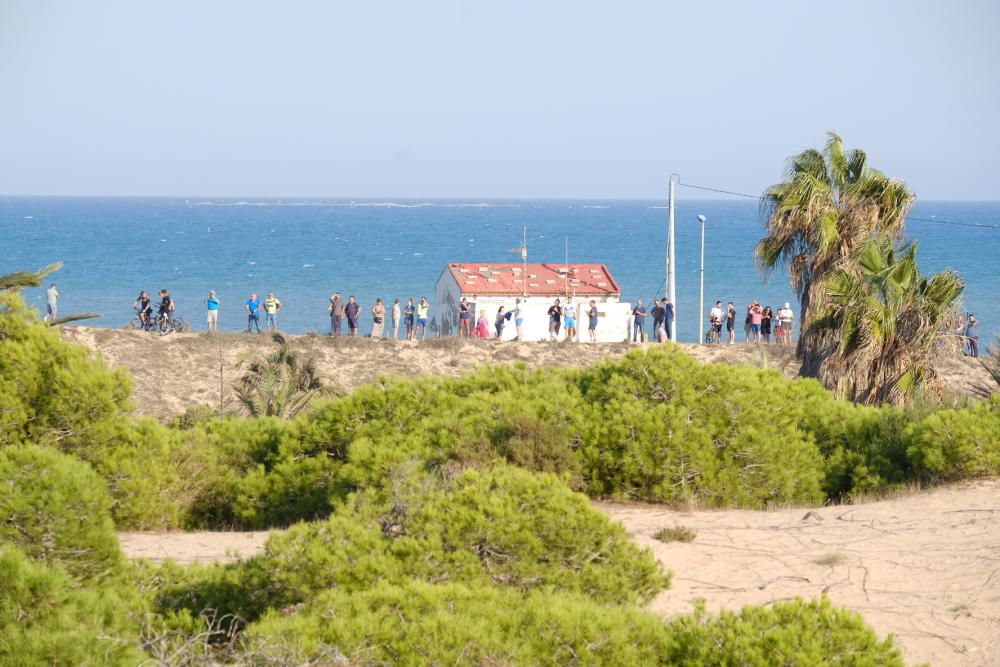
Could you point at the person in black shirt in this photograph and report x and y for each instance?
(658, 312)
(555, 319)
(638, 321)
(143, 306)
(166, 305)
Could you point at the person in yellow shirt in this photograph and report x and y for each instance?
(271, 308)
(422, 309)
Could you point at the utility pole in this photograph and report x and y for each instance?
(701, 293)
(671, 258)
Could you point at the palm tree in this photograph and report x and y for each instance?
(278, 384)
(12, 283)
(889, 320)
(829, 204)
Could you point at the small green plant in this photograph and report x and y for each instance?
(675, 534)
(830, 560)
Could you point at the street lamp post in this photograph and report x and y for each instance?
(701, 293)
(671, 263)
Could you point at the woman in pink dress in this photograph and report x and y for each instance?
(482, 326)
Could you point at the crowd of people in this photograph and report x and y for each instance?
(761, 324)
(412, 317)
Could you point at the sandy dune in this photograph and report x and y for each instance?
(925, 567)
(173, 373)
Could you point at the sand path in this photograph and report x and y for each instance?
(925, 567)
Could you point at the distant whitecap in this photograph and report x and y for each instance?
(418, 254)
(308, 266)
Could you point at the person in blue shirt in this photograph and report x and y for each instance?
(638, 321)
(213, 311)
(253, 307)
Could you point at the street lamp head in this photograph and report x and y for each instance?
(702, 218)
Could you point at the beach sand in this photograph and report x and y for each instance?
(925, 567)
(174, 373)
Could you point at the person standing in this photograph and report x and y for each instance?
(715, 318)
(658, 313)
(592, 315)
(731, 322)
(569, 318)
(747, 325)
(167, 307)
(252, 306)
(352, 310)
(464, 318)
(972, 335)
(785, 317)
(555, 318)
(638, 321)
(482, 329)
(378, 318)
(271, 308)
(668, 318)
(409, 317)
(51, 304)
(518, 318)
(212, 311)
(766, 317)
(499, 322)
(336, 309)
(395, 319)
(423, 308)
(756, 315)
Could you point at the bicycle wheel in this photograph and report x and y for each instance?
(180, 326)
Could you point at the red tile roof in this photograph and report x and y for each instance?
(542, 279)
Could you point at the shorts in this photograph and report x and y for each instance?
(730, 325)
(50, 308)
(570, 322)
(593, 324)
(421, 321)
(213, 316)
(718, 327)
(755, 328)
(519, 321)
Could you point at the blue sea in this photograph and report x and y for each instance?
(304, 250)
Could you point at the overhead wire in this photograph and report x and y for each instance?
(909, 217)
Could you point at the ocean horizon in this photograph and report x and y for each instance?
(305, 248)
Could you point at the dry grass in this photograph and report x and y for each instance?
(675, 534)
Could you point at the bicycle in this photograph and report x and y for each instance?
(145, 324)
(167, 325)
(712, 335)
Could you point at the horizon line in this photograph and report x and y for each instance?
(389, 198)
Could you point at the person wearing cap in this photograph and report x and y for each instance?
(212, 312)
(785, 317)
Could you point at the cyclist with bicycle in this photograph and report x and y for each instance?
(167, 307)
(715, 319)
(143, 306)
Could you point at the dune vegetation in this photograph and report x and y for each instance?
(440, 520)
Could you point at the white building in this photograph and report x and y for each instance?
(490, 286)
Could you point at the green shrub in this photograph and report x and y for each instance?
(958, 444)
(666, 428)
(57, 510)
(48, 619)
(504, 526)
(416, 623)
(787, 633)
(51, 392)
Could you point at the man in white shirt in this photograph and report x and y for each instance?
(715, 319)
(785, 316)
(51, 303)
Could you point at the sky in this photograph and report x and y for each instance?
(462, 98)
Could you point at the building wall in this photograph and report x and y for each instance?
(612, 325)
